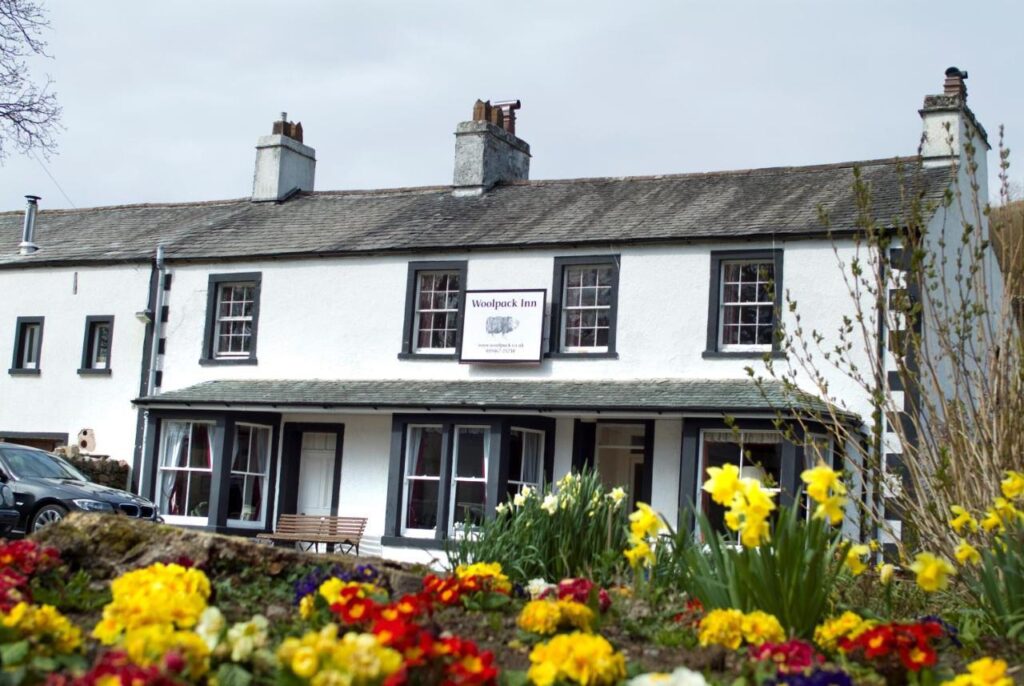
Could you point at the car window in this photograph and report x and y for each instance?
(36, 463)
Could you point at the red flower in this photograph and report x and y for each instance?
(115, 663)
(791, 657)
(911, 643)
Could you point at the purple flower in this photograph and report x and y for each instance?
(819, 677)
(367, 574)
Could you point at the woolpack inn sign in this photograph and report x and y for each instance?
(503, 326)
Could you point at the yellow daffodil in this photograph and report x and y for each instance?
(886, 571)
(723, 483)
(967, 553)
(645, 523)
(1013, 485)
(855, 558)
(961, 519)
(932, 572)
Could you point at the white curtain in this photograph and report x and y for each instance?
(531, 457)
(173, 453)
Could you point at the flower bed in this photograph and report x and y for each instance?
(236, 614)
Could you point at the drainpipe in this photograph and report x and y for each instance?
(150, 378)
(158, 309)
(28, 232)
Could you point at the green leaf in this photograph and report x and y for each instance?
(13, 653)
(230, 674)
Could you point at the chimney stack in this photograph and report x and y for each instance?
(487, 150)
(283, 164)
(28, 232)
(949, 124)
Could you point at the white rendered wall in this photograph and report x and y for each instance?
(59, 399)
(342, 318)
(668, 444)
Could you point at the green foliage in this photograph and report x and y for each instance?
(573, 529)
(997, 584)
(792, 577)
(76, 593)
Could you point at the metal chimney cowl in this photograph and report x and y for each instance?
(28, 232)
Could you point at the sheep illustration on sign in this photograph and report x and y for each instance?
(501, 325)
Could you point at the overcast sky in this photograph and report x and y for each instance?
(164, 101)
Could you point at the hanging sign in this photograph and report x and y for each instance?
(503, 326)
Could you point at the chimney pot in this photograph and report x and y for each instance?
(954, 84)
(487, 151)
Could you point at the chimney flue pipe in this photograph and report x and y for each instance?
(28, 233)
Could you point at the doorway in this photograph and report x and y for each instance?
(316, 474)
(620, 452)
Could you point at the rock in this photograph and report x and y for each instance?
(107, 545)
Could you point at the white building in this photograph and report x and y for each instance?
(414, 355)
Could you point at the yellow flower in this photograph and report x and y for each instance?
(306, 605)
(831, 508)
(983, 672)
(722, 627)
(645, 523)
(967, 553)
(1013, 485)
(304, 662)
(148, 645)
(855, 559)
(821, 480)
(723, 484)
(748, 513)
(640, 553)
(48, 631)
(932, 572)
(577, 658)
(760, 627)
(158, 594)
(962, 518)
(886, 572)
(617, 495)
(540, 617)
(848, 625)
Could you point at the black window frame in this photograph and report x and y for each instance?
(718, 257)
(557, 290)
(499, 429)
(87, 346)
(215, 283)
(18, 358)
(408, 351)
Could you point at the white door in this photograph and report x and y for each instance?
(316, 473)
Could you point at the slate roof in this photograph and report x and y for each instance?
(780, 202)
(648, 395)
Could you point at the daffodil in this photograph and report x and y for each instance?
(723, 483)
(550, 504)
(967, 553)
(855, 558)
(1013, 485)
(932, 572)
(617, 495)
(961, 519)
(886, 571)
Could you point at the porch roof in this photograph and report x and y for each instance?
(642, 395)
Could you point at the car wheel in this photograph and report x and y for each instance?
(47, 515)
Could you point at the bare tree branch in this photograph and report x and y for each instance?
(29, 112)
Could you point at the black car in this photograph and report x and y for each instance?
(9, 517)
(47, 487)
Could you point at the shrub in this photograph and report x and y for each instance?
(574, 528)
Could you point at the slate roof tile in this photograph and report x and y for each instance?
(748, 204)
(648, 395)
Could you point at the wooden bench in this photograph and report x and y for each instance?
(313, 529)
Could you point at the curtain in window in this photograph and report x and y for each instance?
(744, 436)
(172, 455)
(531, 458)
